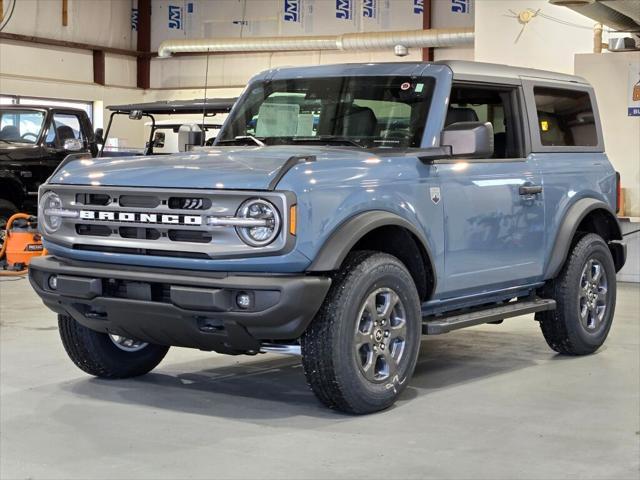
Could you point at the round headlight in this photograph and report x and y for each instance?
(264, 234)
(50, 201)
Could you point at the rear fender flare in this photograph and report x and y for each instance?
(562, 244)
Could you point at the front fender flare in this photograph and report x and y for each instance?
(347, 234)
(575, 214)
(12, 188)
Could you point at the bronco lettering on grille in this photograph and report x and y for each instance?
(132, 217)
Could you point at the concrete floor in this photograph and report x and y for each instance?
(488, 402)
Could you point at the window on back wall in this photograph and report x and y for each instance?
(565, 117)
(8, 100)
(50, 102)
(86, 106)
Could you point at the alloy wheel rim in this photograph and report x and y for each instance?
(127, 344)
(380, 335)
(593, 295)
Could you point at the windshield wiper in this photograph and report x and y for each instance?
(240, 138)
(329, 139)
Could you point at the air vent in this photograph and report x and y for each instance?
(139, 201)
(98, 199)
(139, 233)
(189, 203)
(93, 230)
(190, 236)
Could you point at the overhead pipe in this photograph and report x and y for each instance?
(607, 13)
(399, 41)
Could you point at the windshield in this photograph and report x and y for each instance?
(364, 111)
(20, 125)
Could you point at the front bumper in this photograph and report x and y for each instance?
(177, 307)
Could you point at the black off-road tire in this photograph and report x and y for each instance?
(97, 354)
(329, 346)
(563, 328)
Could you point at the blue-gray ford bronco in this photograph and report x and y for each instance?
(343, 212)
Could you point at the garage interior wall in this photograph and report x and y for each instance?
(62, 73)
(609, 74)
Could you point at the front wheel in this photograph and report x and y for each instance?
(361, 349)
(585, 295)
(107, 356)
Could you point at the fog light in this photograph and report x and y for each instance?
(53, 282)
(243, 300)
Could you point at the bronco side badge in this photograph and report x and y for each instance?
(435, 194)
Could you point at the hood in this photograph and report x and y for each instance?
(243, 168)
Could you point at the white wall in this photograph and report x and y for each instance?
(446, 15)
(130, 132)
(609, 75)
(52, 72)
(544, 44)
(222, 18)
(99, 22)
(39, 71)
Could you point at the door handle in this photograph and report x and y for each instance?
(526, 190)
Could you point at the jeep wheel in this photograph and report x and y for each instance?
(585, 294)
(107, 356)
(7, 209)
(361, 349)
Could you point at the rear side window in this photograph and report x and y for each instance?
(565, 118)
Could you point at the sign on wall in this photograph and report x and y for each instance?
(461, 6)
(633, 94)
(376, 14)
(344, 9)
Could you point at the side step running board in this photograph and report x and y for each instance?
(444, 324)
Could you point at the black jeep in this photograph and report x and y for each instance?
(34, 139)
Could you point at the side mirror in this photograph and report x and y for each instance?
(73, 145)
(99, 135)
(469, 139)
(135, 114)
(158, 139)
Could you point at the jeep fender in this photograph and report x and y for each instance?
(575, 214)
(345, 236)
(11, 188)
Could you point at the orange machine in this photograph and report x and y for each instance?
(22, 242)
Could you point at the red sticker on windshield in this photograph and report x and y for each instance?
(405, 86)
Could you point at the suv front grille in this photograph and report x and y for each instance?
(160, 222)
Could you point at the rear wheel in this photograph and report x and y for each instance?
(361, 349)
(585, 294)
(107, 356)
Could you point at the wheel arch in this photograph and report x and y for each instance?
(11, 189)
(382, 231)
(587, 215)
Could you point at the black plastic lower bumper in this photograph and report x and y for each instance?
(178, 307)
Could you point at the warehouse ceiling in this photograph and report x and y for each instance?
(622, 15)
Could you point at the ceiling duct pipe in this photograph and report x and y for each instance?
(397, 41)
(608, 13)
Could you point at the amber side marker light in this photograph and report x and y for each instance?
(293, 219)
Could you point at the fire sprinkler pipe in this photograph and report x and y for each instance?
(399, 41)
